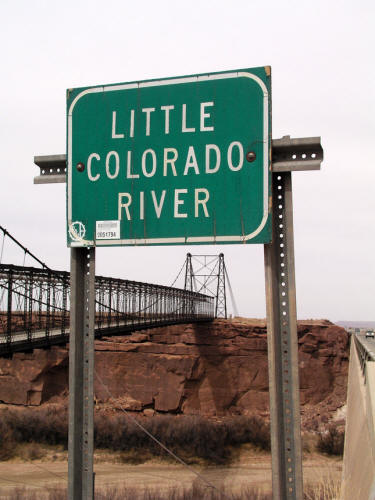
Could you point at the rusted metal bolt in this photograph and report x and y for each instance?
(250, 156)
(80, 167)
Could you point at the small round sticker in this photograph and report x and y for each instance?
(77, 231)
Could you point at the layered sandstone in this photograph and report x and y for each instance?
(211, 369)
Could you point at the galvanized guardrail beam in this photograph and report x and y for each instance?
(288, 155)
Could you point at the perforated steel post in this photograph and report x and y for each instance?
(81, 374)
(283, 346)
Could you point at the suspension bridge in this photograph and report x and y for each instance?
(35, 301)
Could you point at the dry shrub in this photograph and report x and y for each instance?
(34, 494)
(32, 451)
(191, 437)
(332, 440)
(186, 436)
(309, 442)
(252, 430)
(194, 492)
(7, 441)
(329, 489)
(48, 425)
(57, 494)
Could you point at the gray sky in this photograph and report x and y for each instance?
(321, 54)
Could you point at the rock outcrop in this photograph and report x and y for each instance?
(211, 369)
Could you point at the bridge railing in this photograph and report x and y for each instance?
(35, 304)
(365, 351)
(358, 478)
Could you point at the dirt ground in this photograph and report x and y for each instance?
(251, 469)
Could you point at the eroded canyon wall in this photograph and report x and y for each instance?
(211, 369)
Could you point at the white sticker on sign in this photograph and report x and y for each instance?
(107, 229)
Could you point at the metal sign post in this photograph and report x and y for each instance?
(288, 155)
(81, 374)
(283, 346)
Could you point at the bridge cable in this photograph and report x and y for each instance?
(178, 275)
(20, 482)
(2, 248)
(158, 300)
(156, 440)
(235, 310)
(113, 309)
(49, 471)
(205, 283)
(6, 233)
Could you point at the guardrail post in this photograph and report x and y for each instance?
(81, 375)
(283, 346)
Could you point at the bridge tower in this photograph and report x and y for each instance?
(189, 273)
(221, 298)
(207, 274)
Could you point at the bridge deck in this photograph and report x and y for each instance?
(22, 343)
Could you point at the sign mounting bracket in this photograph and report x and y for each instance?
(53, 167)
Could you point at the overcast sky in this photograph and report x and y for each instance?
(321, 54)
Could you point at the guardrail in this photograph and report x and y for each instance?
(365, 350)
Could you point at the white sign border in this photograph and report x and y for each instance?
(174, 81)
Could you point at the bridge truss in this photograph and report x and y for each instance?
(208, 274)
(35, 305)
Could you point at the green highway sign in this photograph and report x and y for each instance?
(176, 161)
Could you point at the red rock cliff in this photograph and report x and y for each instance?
(212, 369)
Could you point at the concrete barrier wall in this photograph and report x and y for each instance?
(358, 479)
(370, 378)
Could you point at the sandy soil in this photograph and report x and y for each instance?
(250, 470)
